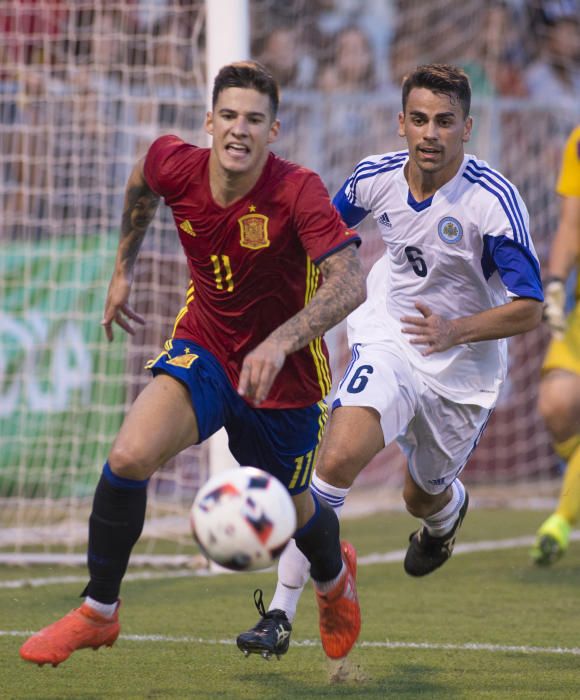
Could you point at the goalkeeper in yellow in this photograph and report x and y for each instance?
(559, 397)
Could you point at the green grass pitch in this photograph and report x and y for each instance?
(487, 625)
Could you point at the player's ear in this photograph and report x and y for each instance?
(274, 131)
(209, 123)
(401, 124)
(468, 126)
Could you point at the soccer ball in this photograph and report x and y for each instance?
(243, 518)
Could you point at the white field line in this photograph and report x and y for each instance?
(367, 560)
(388, 557)
(469, 646)
(196, 565)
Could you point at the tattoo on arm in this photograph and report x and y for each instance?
(342, 290)
(139, 209)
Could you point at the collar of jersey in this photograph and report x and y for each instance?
(418, 206)
(426, 203)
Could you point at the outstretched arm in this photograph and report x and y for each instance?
(439, 334)
(138, 211)
(342, 291)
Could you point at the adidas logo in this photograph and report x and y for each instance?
(187, 228)
(384, 220)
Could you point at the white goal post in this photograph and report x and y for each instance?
(228, 39)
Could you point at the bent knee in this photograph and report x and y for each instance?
(338, 467)
(130, 462)
(558, 412)
(552, 405)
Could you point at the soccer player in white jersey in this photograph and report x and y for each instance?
(459, 274)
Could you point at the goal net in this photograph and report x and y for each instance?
(84, 88)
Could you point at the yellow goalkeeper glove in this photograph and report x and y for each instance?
(554, 301)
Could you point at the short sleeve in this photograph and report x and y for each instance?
(320, 227)
(158, 169)
(349, 198)
(517, 266)
(508, 246)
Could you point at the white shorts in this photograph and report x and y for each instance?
(436, 435)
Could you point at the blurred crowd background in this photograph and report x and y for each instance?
(86, 86)
(514, 48)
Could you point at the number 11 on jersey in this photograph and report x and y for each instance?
(223, 272)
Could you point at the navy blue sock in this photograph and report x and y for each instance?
(115, 525)
(319, 541)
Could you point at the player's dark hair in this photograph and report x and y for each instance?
(247, 74)
(440, 78)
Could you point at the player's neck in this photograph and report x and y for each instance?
(423, 184)
(226, 186)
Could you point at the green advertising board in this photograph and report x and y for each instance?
(61, 383)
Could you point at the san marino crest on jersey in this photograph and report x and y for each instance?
(254, 230)
(450, 230)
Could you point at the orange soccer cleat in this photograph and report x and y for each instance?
(80, 629)
(339, 611)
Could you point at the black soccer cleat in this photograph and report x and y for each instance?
(427, 553)
(270, 635)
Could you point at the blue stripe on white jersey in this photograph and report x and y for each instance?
(351, 214)
(505, 193)
(370, 168)
(366, 169)
(516, 265)
(355, 354)
(366, 165)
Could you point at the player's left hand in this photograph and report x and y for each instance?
(429, 329)
(259, 370)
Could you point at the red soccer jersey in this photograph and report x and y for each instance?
(251, 263)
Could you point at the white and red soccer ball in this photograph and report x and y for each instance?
(243, 518)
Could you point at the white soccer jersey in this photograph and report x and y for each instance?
(464, 250)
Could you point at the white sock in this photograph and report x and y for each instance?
(331, 494)
(293, 574)
(294, 567)
(104, 609)
(442, 522)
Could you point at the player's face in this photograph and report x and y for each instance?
(242, 128)
(435, 129)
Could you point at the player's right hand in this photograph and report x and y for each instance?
(259, 370)
(117, 308)
(554, 301)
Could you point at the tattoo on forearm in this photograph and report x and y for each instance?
(140, 207)
(342, 291)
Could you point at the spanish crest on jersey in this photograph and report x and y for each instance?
(450, 230)
(254, 231)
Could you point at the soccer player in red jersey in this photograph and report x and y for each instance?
(272, 268)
